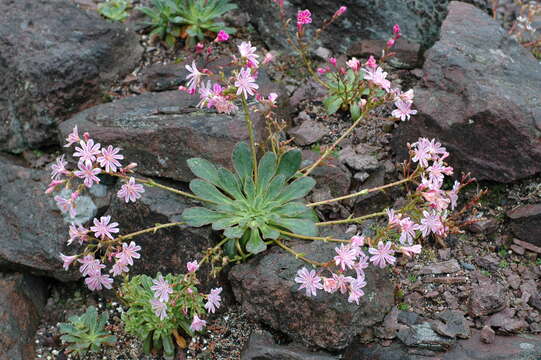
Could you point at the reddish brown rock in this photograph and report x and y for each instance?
(526, 225)
(487, 298)
(487, 335)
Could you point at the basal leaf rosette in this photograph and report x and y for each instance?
(251, 207)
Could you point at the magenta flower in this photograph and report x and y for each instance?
(87, 152)
(371, 63)
(59, 168)
(403, 110)
(341, 10)
(396, 29)
(66, 205)
(247, 51)
(90, 265)
(222, 36)
(130, 191)
(332, 61)
(73, 137)
(390, 43)
(128, 253)
(197, 324)
(383, 255)
(109, 158)
(88, 173)
(194, 76)
(408, 229)
(192, 266)
(309, 281)
(245, 83)
(161, 288)
(346, 256)
(159, 308)
(304, 17)
(96, 281)
(431, 222)
(378, 77)
(103, 229)
(354, 64)
(213, 300)
(77, 232)
(67, 260)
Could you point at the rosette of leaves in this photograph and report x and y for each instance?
(115, 10)
(161, 16)
(86, 333)
(141, 321)
(252, 210)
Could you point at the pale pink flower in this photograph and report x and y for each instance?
(346, 256)
(453, 194)
(403, 110)
(272, 98)
(357, 240)
(342, 282)
(119, 267)
(361, 264)
(129, 252)
(59, 168)
(194, 77)
(66, 205)
(96, 281)
(437, 171)
(341, 10)
(383, 255)
(87, 151)
(52, 185)
(405, 96)
(411, 250)
(421, 152)
(88, 174)
(438, 152)
(222, 36)
(213, 300)
(371, 63)
(354, 64)
(109, 158)
(394, 219)
(90, 265)
(309, 280)
(77, 232)
(378, 77)
(437, 198)
(192, 266)
(103, 229)
(303, 17)
(245, 83)
(68, 260)
(407, 228)
(330, 285)
(73, 137)
(431, 222)
(247, 51)
(159, 308)
(224, 105)
(355, 290)
(197, 324)
(130, 191)
(268, 58)
(162, 289)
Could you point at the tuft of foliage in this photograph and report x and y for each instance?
(116, 10)
(189, 19)
(86, 333)
(252, 209)
(141, 321)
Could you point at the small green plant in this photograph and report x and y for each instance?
(86, 333)
(116, 10)
(502, 252)
(486, 273)
(142, 321)
(403, 307)
(190, 19)
(252, 206)
(503, 264)
(412, 278)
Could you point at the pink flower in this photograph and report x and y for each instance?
(437, 198)
(303, 17)
(346, 256)
(161, 288)
(309, 281)
(66, 205)
(119, 267)
(408, 229)
(453, 194)
(378, 77)
(437, 171)
(410, 250)
(330, 285)
(96, 280)
(109, 158)
(403, 110)
(87, 152)
(197, 324)
(421, 152)
(88, 173)
(130, 191)
(272, 98)
(225, 106)
(90, 265)
(59, 168)
(159, 308)
(247, 51)
(213, 300)
(192, 266)
(342, 282)
(67, 260)
(245, 83)
(404, 96)
(341, 10)
(129, 252)
(355, 290)
(390, 43)
(356, 243)
(194, 76)
(222, 36)
(396, 29)
(394, 219)
(268, 58)
(52, 185)
(323, 71)
(77, 232)
(383, 255)
(371, 63)
(354, 64)
(73, 137)
(431, 222)
(360, 265)
(103, 229)
(332, 61)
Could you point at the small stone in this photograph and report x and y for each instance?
(323, 53)
(423, 336)
(468, 266)
(487, 335)
(454, 324)
(505, 323)
(445, 254)
(447, 280)
(527, 246)
(488, 262)
(517, 249)
(535, 302)
(361, 176)
(308, 132)
(484, 226)
(487, 298)
(445, 267)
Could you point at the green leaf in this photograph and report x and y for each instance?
(204, 169)
(332, 104)
(199, 216)
(255, 245)
(275, 187)
(168, 347)
(269, 233)
(290, 162)
(242, 161)
(225, 223)
(230, 249)
(208, 191)
(355, 111)
(292, 209)
(266, 171)
(297, 189)
(234, 232)
(230, 183)
(298, 226)
(350, 76)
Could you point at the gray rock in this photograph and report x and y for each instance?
(308, 132)
(487, 335)
(444, 267)
(423, 336)
(454, 324)
(488, 262)
(487, 298)
(56, 58)
(526, 223)
(505, 323)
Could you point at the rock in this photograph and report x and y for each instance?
(160, 131)
(406, 52)
(527, 246)
(33, 232)
(390, 325)
(446, 280)
(267, 292)
(22, 300)
(262, 347)
(485, 226)
(487, 335)
(504, 322)
(517, 249)
(535, 302)
(423, 336)
(331, 173)
(308, 132)
(359, 162)
(454, 324)
(444, 267)
(445, 254)
(526, 225)
(56, 59)
(488, 262)
(480, 96)
(487, 298)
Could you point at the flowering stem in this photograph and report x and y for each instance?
(212, 250)
(144, 231)
(250, 127)
(298, 255)
(351, 220)
(360, 193)
(305, 237)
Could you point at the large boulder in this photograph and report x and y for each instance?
(22, 300)
(481, 97)
(54, 60)
(526, 223)
(266, 289)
